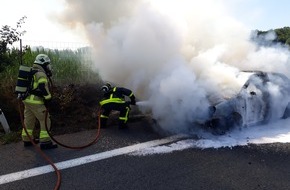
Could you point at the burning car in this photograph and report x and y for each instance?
(263, 98)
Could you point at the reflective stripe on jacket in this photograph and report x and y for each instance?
(111, 98)
(39, 78)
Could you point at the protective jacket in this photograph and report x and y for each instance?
(117, 95)
(40, 91)
(114, 99)
(35, 108)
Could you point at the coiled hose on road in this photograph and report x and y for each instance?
(74, 147)
(58, 183)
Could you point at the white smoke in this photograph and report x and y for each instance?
(175, 54)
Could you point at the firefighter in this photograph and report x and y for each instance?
(35, 104)
(114, 99)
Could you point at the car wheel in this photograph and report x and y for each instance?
(286, 112)
(237, 119)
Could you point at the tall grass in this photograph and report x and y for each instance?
(69, 67)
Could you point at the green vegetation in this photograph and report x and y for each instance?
(9, 35)
(283, 35)
(14, 136)
(69, 67)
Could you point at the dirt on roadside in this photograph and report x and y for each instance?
(73, 108)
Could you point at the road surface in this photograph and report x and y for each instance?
(109, 164)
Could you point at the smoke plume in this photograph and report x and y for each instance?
(175, 54)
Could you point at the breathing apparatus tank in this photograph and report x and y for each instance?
(24, 81)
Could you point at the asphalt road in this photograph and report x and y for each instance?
(253, 167)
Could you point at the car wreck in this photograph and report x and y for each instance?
(264, 97)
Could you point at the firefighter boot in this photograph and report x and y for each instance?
(123, 125)
(47, 145)
(103, 122)
(28, 143)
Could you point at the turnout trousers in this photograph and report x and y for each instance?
(31, 113)
(123, 108)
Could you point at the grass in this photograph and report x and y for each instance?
(69, 67)
(12, 137)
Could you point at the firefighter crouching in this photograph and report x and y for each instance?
(34, 104)
(114, 99)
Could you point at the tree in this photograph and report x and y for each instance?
(288, 42)
(282, 35)
(9, 35)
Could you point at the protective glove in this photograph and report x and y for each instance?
(51, 104)
(48, 103)
(133, 102)
(128, 103)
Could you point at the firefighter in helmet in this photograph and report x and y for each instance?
(114, 99)
(34, 104)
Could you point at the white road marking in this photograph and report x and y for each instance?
(86, 159)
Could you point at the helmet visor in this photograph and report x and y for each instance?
(48, 70)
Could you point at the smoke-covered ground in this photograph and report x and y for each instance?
(276, 132)
(177, 54)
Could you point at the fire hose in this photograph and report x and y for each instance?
(74, 147)
(24, 75)
(66, 146)
(57, 186)
(58, 183)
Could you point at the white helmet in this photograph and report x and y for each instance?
(107, 87)
(42, 59)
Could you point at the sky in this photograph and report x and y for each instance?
(41, 26)
(261, 15)
(175, 54)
